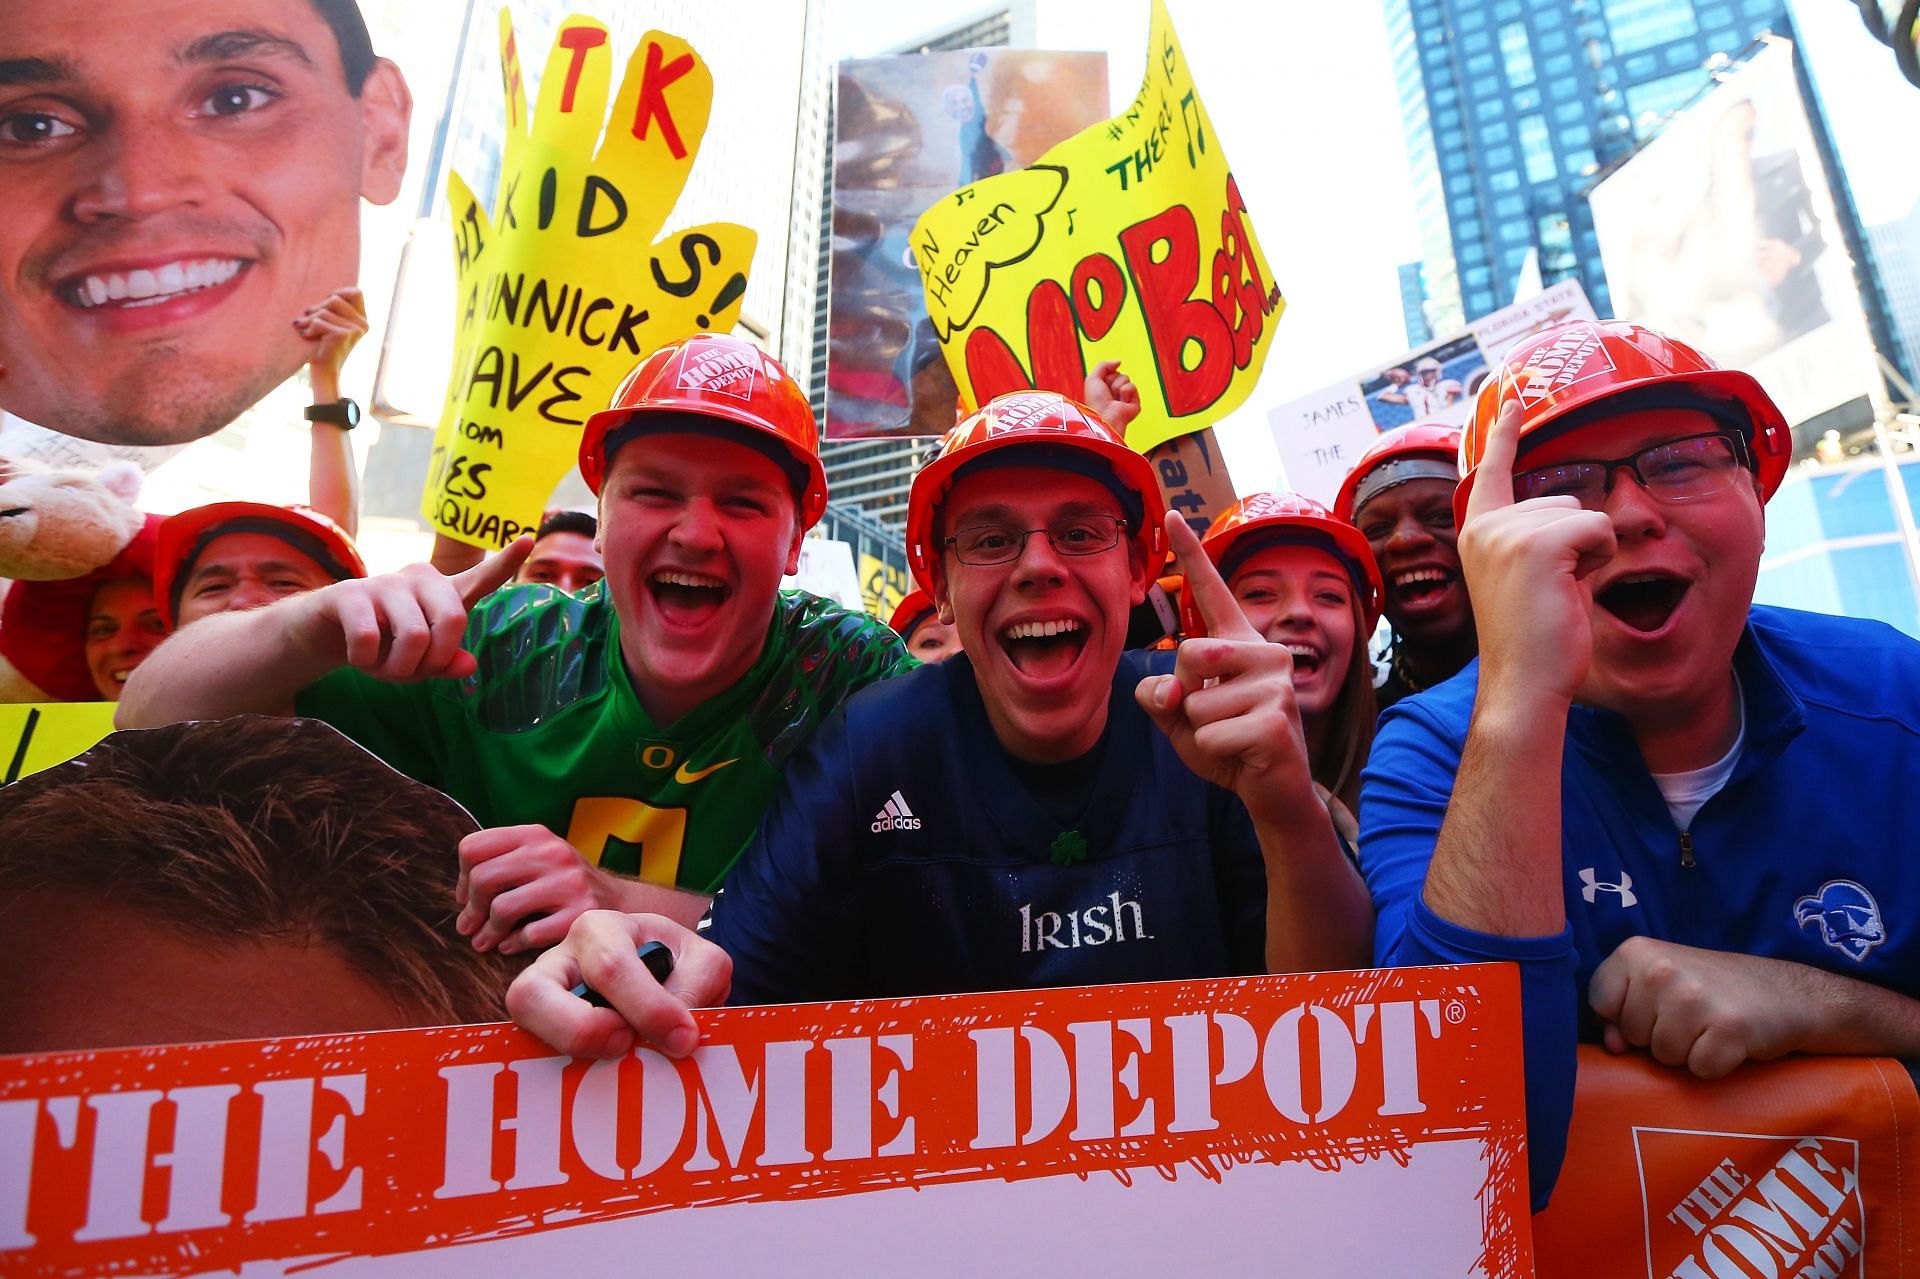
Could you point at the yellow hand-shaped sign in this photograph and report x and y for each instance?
(564, 287)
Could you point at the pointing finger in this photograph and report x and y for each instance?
(1207, 589)
(1493, 481)
(490, 574)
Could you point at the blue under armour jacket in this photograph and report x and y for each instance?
(1806, 854)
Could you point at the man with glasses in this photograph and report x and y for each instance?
(1632, 792)
(1040, 810)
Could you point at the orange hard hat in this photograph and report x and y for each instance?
(1058, 432)
(1434, 440)
(1582, 364)
(184, 536)
(1286, 518)
(914, 608)
(717, 375)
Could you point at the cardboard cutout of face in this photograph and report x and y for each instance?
(182, 177)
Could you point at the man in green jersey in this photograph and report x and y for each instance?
(635, 730)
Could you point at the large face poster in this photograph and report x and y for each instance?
(908, 130)
(182, 180)
(1721, 232)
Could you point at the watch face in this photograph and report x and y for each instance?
(344, 413)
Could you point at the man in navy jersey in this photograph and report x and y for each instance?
(1041, 810)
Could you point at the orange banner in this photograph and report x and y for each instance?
(1805, 1167)
(1261, 1122)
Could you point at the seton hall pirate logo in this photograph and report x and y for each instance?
(1846, 915)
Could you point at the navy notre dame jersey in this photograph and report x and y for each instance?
(908, 854)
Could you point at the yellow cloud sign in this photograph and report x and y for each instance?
(563, 288)
(1129, 241)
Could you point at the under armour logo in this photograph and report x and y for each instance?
(1592, 887)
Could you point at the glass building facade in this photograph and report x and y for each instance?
(1835, 545)
(1511, 107)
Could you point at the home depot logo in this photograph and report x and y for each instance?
(1723, 1205)
(1573, 356)
(721, 372)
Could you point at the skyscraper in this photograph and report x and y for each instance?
(1511, 107)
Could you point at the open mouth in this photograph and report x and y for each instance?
(1422, 585)
(1306, 658)
(144, 288)
(1644, 601)
(1044, 649)
(687, 599)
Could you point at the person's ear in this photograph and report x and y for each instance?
(386, 109)
(942, 600)
(1138, 578)
(793, 548)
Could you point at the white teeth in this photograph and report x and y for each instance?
(1302, 650)
(1040, 630)
(156, 285)
(689, 579)
(1419, 575)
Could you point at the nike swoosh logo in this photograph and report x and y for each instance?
(688, 777)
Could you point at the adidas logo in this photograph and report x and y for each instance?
(895, 815)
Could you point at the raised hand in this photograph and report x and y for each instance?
(1112, 395)
(333, 325)
(1526, 565)
(1229, 706)
(401, 626)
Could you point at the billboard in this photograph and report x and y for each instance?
(1722, 233)
(907, 131)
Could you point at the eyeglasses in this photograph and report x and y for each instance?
(1682, 470)
(983, 544)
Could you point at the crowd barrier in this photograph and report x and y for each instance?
(1807, 1167)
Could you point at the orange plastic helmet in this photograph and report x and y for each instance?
(1310, 523)
(1025, 419)
(1420, 439)
(1585, 362)
(914, 608)
(716, 375)
(184, 536)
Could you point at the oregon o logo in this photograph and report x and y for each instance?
(657, 756)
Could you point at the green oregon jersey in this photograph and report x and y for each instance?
(549, 729)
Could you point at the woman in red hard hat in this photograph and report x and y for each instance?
(1308, 581)
(1400, 496)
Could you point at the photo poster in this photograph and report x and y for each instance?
(1262, 1121)
(1129, 241)
(1722, 232)
(1321, 436)
(1801, 1166)
(566, 280)
(826, 569)
(908, 130)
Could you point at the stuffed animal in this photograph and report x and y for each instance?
(62, 533)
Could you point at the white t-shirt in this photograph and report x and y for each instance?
(1686, 792)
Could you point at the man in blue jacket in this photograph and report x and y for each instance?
(1632, 792)
(1042, 810)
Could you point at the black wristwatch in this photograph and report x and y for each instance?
(344, 414)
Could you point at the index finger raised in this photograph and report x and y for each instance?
(1493, 478)
(1204, 585)
(490, 574)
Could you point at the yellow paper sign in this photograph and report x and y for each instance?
(881, 587)
(1129, 241)
(38, 735)
(563, 289)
